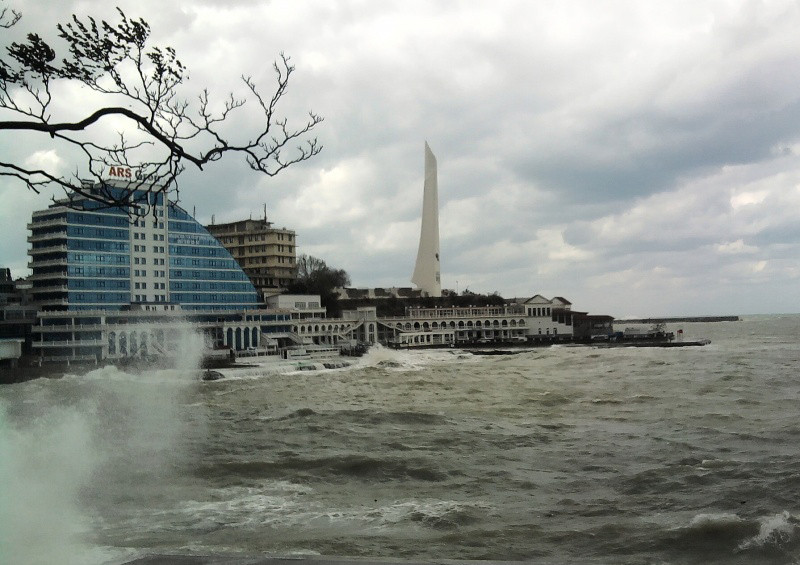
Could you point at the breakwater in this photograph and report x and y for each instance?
(678, 320)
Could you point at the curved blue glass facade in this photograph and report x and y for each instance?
(103, 258)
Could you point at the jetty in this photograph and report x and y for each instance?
(679, 320)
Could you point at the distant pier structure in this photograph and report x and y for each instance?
(427, 273)
(679, 320)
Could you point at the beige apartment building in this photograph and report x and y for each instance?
(267, 254)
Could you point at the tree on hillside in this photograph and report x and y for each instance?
(138, 85)
(314, 276)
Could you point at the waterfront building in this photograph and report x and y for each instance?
(267, 254)
(97, 267)
(114, 335)
(17, 309)
(88, 256)
(116, 284)
(532, 321)
(301, 306)
(297, 323)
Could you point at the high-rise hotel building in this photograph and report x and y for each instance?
(267, 254)
(88, 256)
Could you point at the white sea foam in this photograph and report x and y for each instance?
(424, 513)
(379, 356)
(277, 503)
(717, 463)
(776, 530)
(410, 359)
(715, 519)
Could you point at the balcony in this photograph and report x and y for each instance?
(68, 357)
(45, 276)
(47, 236)
(53, 302)
(68, 343)
(48, 223)
(59, 328)
(48, 249)
(48, 263)
(50, 288)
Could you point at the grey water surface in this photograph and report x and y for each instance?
(554, 455)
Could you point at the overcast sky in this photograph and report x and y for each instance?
(637, 158)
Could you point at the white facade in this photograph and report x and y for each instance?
(535, 320)
(149, 245)
(301, 306)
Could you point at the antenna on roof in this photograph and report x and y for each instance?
(265, 211)
(212, 219)
(194, 211)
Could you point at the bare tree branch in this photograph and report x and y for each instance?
(8, 18)
(138, 84)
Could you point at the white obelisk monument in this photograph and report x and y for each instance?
(426, 272)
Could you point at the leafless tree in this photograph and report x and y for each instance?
(8, 17)
(138, 84)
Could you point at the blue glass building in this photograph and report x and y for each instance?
(87, 256)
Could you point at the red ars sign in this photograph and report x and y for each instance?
(120, 172)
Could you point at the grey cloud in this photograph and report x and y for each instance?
(540, 123)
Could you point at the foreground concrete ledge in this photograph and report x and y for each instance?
(221, 559)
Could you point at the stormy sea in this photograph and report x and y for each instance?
(562, 454)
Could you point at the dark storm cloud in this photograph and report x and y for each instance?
(686, 146)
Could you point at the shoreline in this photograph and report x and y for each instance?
(29, 369)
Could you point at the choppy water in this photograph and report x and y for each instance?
(558, 455)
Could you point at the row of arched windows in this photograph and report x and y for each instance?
(425, 326)
(316, 328)
(133, 343)
(241, 338)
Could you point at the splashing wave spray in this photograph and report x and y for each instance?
(70, 449)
